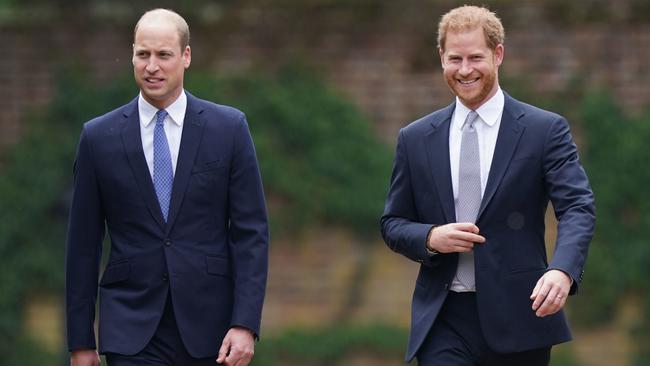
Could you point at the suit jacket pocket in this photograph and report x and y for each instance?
(218, 266)
(115, 273)
(205, 167)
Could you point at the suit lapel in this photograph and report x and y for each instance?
(190, 141)
(132, 141)
(510, 132)
(437, 144)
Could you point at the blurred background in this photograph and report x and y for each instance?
(326, 85)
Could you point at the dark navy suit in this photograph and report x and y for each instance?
(210, 258)
(535, 160)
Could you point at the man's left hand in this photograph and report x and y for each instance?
(237, 348)
(550, 293)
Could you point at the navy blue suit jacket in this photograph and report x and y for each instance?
(211, 256)
(535, 160)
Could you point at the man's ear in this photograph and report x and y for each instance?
(499, 53)
(187, 57)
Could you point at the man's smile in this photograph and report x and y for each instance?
(468, 82)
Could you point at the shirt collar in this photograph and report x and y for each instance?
(489, 112)
(176, 110)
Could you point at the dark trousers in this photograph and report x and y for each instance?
(456, 339)
(166, 348)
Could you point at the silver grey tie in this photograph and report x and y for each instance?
(469, 194)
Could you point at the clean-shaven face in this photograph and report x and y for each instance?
(159, 62)
(470, 67)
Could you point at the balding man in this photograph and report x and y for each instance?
(175, 181)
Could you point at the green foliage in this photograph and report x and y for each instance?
(562, 356)
(336, 344)
(331, 346)
(615, 157)
(27, 352)
(36, 177)
(318, 158)
(616, 160)
(319, 162)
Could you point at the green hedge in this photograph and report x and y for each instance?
(319, 160)
(331, 346)
(36, 180)
(320, 163)
(616, 158)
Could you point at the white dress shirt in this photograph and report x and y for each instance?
(487, 128)
(173, 128)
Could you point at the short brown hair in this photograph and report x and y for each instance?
(181, 24)
(469, 18)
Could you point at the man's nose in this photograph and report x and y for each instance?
(465, 68)
(152, 65)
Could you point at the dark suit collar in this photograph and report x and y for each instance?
(190, 141)
(437, 147)
(442, 116)
(437, 144)
(510, 132)
(132, 140)
(514, 108)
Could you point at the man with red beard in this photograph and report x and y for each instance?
(468, 195)
(175, 181)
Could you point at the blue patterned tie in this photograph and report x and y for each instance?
(163, 173)
(469, 194)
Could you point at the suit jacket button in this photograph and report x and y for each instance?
(168, 242)
(165, 277)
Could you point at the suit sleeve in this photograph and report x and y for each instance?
(83, 250)
(573, 201)
(400, 226)
(249, 233)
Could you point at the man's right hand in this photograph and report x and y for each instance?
(84, 357)
(457, 237)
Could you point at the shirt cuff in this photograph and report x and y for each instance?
(429, 251)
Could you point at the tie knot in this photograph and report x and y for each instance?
(160, 116)
(472, 117)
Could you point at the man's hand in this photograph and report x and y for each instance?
(237, 348)
(456, 237)
(84, 357)
(550, 293)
